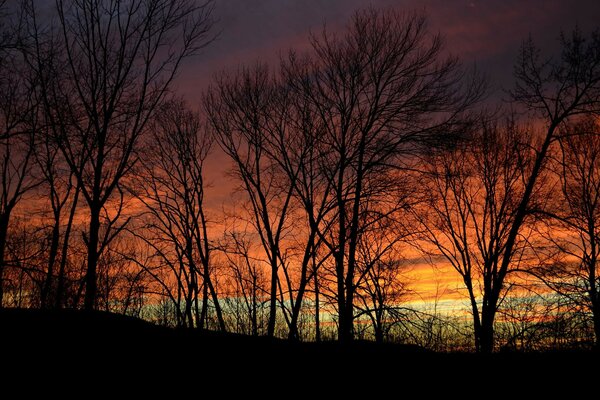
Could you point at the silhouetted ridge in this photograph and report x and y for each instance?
(109, 348)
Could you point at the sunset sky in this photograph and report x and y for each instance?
(484, 33)
(318, 169)
(487, 33)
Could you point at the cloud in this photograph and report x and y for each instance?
(486, 32)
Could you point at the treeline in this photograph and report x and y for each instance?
(353, 161)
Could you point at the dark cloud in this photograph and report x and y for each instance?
(485, 32)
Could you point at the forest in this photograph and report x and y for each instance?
(347, 168)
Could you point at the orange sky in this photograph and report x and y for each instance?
(487, 33)
(482, 33)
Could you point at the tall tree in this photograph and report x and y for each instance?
(244, 110)
(553, 91)
(472, 196)
(295, 152)
(117, 63)
(575, 225)
(172, 189)
(382, 91)
(58, 182)
(18, 125)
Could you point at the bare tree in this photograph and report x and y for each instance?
(117, 62)
(381, 288)
(574, 230)
(295, 152)
(524, 318)
(344, 119)
(472, 201)
(172, 189)
(248, 297)
(381, 91)
(18, 125)
(553, 90)
(41, 47)
(26, 248)
(63, 193)
(244, 111)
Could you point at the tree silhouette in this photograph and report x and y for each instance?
(555, 91)
(346, 156)
(574, 228)
(244, 110)
(472, 200)
(171, 186)
(381, 287)
(116, 63)
(382, 92)
(19, 124)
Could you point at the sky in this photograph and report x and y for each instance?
(487, 34)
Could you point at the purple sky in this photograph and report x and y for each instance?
(487, 33)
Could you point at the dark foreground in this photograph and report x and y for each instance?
(103, 350)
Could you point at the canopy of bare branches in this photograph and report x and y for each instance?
(354, 163)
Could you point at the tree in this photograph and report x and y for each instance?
(116, 64)
(171, 187)
(63, 194)
(524, 319)
(295, 152)
(244, 110)
(553, 91)
(248, 296)
(19, 123)
(472, 200)
(382, 92)
(25, 250)
(380, 285)
(575, 226)
(41, 48)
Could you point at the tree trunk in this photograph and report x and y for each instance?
(189, 300)
(4, 218)
(294, 334)
(317, 311)
(343, 330)
(91, 284)
(180, 312)
(347, 334)
(253, 315)
(378, 333)
(199, 319)
(378, 321)
(47, 287)
(203, 314)
(65, 248)
(476, 318)
(215, 298)
(273, 293)
(308, 255)
(596, 316)
(477, 334)
(486, 333)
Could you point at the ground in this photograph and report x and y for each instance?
(109, 351)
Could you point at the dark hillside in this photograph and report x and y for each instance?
(120, 349)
